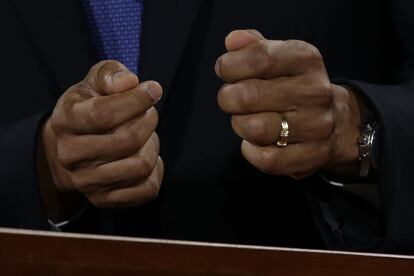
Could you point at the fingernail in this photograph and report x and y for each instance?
(217, 67)
(255, 33)
(118, 75)
(154, 91)
(252, 32)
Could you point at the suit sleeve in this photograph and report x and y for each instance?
(20, 205)
(349, 223)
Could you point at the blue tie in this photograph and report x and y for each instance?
(116, 29)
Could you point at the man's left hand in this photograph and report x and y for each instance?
(268, 78)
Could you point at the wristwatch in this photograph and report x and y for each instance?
(366, 148)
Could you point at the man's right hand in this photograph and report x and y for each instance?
(100, 139)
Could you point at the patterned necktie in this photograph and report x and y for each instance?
(116, 29)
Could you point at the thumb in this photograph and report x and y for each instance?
(239, 39)
(110, 77)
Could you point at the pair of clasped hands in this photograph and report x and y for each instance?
(100, 140)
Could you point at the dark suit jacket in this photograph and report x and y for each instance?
(210, 193)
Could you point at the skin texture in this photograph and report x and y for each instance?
(264, 78)
(99, 143)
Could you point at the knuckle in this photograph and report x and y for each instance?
(315, 56)
(326, 93)
(262, 60)
(57, 122)
(223, 96)
(255, 129)
(308, 53)
(63, 155)
(306, 49)
(145, 166)
(328, 126)
(78, 183)
(155, 139)
(138, 97)
(153, 189)
(221, 92)
(59, 117)
(312, 51)
(321, 95)
(268, 162)
(155, 143)
(98, 117)
(126, 141)
(153, 117)
(274, 163)
(95, 67)
(318, 92)
(247, 95)
(84, 184)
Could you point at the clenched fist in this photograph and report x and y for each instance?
(267, 80)
(100, 139)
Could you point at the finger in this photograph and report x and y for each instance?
(266, 59)
(304, 126)
(110, 77)
(262, 128)
(293, 159)
(75, 151)
(254, 95)
(121, 173)
(98, 114)
(241, 38)
(136, 195)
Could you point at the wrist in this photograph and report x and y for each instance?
(345, 150)
(58, 204)
(355, 154)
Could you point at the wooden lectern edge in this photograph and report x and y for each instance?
(194, 243)
(32, 252)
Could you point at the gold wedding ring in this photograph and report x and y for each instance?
(282, 141)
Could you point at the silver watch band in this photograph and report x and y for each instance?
(366, 147)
